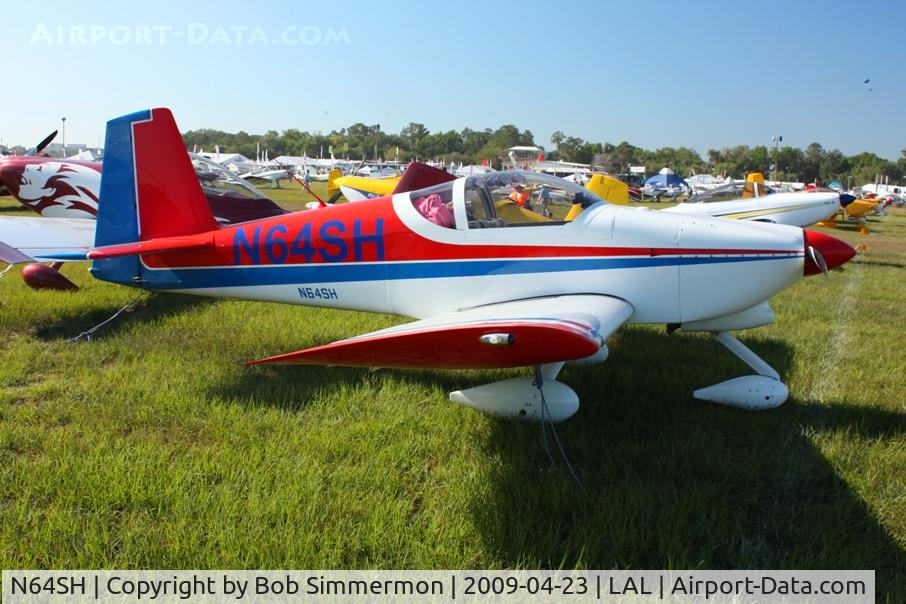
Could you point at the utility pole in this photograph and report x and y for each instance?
(63, 131)
(776, 140)
(377, 128)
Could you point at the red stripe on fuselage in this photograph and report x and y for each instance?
(398, 242)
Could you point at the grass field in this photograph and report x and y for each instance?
(292, 196)
(153, 446)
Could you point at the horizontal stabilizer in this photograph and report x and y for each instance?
(30, 239)
(510, 334)
(11, 255)
(154, 246)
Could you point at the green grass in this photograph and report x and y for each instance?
(153, 446)
(292, 196)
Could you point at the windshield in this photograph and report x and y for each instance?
(215, 179)
(516, 198)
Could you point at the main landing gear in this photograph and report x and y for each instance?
(762, 391)
(522, 398)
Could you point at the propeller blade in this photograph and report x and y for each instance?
(818, 258)
(42, 145)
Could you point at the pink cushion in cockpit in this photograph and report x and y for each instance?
(434, 209)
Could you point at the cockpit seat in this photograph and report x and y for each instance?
(493, 223)
(510, 213)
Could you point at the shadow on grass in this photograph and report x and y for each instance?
(289, 388)
(16, 209)
(852, 227)
(70, 322)
(870, 262)
(670, 482)
(292, 387)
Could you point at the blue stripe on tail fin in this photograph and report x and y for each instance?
(118, 205)
(149, 191)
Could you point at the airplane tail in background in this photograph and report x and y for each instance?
(609, 188)
(754, 185)
(420, 176)
(332, 187)
(149, 191)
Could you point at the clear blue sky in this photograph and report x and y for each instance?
(700, 74)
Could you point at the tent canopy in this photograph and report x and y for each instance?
(666, 180)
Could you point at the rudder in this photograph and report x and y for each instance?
(332, 187)
(148, 190)
(609, 188)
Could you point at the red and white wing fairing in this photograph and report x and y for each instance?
(510, 334)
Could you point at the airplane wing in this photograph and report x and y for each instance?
(29, 239)
(508, 334)
(270, 176)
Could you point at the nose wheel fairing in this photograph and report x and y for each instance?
(754, 392)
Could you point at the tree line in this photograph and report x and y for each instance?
(415, 141)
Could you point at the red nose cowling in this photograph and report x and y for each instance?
(834, 251)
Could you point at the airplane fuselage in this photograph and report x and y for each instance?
(795, 209)
(51, 187)
(494, 283)
(383, 256)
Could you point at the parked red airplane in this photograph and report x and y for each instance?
(485, 290)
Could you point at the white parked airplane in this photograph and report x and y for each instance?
(487, 289)
(802, 208)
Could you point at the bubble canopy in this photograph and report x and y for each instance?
(216, 179)
(503, 199)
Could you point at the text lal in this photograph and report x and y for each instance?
(618, 586)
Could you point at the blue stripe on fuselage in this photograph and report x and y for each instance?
(295, 274)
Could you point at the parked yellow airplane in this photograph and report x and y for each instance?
(858, 208)
(358, 188)
(852, 208)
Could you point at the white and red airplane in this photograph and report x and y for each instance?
(486, 292)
